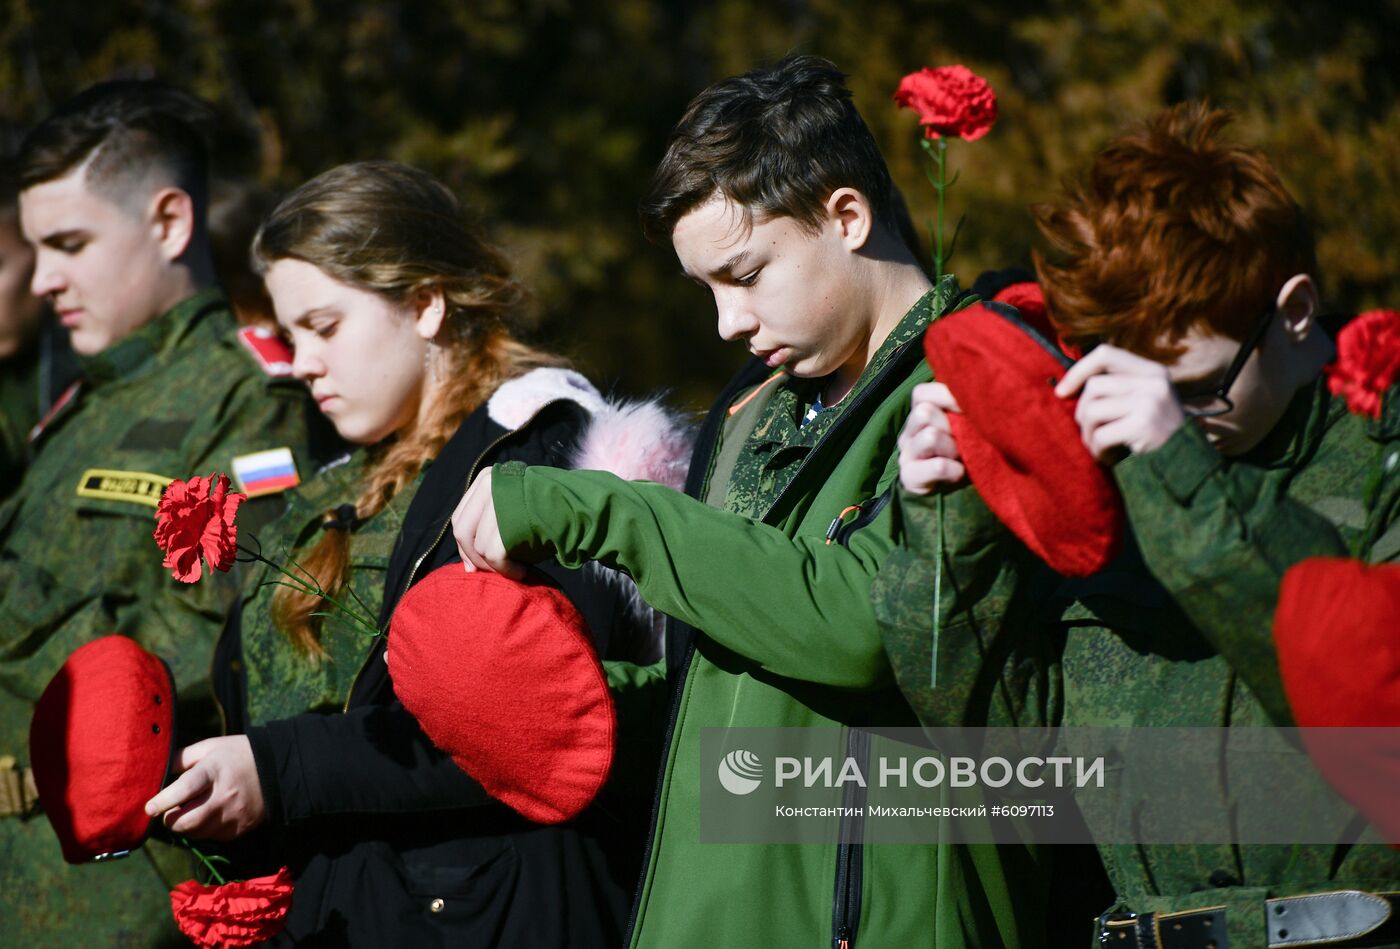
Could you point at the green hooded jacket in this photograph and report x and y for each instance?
(787, 638)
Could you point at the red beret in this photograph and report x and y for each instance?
(503, 676)
(1019, 440)
(1337, 631)
(1029, 301)
(100, 745)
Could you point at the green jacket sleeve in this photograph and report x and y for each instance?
(795, 606)
(1219, 537)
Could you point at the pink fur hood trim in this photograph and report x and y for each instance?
(637, 441)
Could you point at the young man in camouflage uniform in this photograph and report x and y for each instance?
(1185, 259)
(113, 195)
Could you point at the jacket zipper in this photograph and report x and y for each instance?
(850, 855)
(845, 913)
(683, 671)
(840, 531)
(413, 572)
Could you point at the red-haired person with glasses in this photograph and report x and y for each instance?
(1183, 268)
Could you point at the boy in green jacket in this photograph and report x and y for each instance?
(1207, 380)
(777, 201)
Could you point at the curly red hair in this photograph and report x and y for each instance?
(1172, 229)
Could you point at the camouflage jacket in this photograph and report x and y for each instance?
(281, 680)
(1219, 535)
(77, 561)
(19, 410)
(1177, 632)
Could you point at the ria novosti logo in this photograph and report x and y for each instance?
(740, 772)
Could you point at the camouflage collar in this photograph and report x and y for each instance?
(1298, 433)
(782, 426)
(925, 310)
(147, 346)
(915, 320)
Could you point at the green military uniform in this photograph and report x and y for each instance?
(281, 680)
(177, 398)
(30, 382)
(1217, 535)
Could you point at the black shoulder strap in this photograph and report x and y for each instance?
(679, 635)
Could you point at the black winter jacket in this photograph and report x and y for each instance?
(390, 843)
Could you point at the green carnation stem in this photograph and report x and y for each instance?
(314, 589)
(937, 591)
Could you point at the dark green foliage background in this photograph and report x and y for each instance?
(548, 116)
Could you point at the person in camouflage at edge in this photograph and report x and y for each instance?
(35, 361)
(1187, 261)
(113, 194)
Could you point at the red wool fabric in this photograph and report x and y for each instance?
(240, 913)
(100, 744)
(1368, 361)
(503, 677)
(1020, 443)
(1029, 301)
(1337, 631)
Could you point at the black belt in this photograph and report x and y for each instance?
(1339, 919)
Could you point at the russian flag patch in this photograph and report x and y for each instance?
(270, 350)
(266, 472)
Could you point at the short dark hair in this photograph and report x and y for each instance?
(124, 126)
(776, 141)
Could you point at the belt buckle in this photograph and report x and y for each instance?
(1112, 917)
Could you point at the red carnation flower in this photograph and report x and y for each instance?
(950, 100)
(1368, 361)
(194, 518)
(233, 914)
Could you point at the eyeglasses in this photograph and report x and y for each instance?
(1217, 402)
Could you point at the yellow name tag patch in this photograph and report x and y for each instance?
(138, 487)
